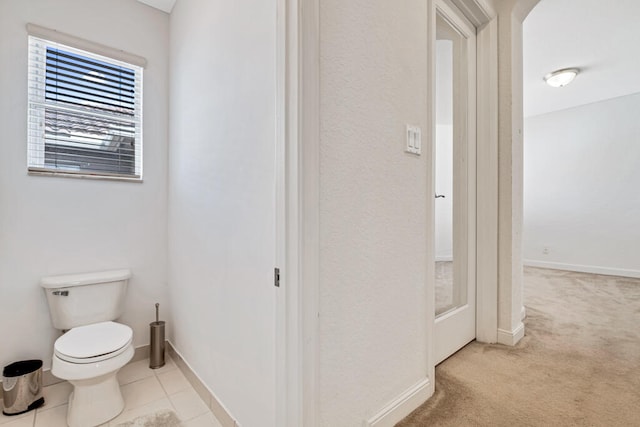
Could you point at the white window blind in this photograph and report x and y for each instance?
(85, 113)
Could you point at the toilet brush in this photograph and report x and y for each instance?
(156, 354)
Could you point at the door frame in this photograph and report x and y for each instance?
(454, 327)
(485, 19)
(297, 204)
(486, 22)
(297, 200)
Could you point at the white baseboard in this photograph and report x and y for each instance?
(401, 406)
(594, 269)
(140, 353)
(48, 378)
(444, 258)
(511, 338)
(218, 409)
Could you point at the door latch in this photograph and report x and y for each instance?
(276, 277)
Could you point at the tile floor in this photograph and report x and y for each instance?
(145, 391)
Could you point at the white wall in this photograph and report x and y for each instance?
(61, 225)
(373, 229)
(222, 199)
(582, 197)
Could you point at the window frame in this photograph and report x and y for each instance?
(37, 105)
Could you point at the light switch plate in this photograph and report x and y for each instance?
(414, 140)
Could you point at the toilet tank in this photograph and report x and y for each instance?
(82, 299)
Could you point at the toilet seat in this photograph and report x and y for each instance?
(93, 343)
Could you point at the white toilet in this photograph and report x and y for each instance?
(94, 347)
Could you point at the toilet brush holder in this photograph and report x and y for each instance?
(156, 354)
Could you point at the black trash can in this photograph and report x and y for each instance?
(22, 387)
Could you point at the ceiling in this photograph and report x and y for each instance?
(164, 5)
(600, 37)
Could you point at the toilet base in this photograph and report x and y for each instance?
(96, 396)
(94, 401)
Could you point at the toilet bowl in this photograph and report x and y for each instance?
(89, 357)
(94, 347)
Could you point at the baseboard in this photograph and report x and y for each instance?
(593, 269)
(511, 338)
(218, 409)
(401, 406)
(447, 258)
(140, 353)
(49, 379)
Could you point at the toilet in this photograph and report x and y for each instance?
(93, 347)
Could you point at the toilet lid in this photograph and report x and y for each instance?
(91, 341)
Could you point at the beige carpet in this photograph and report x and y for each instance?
(578, 364)
(444, 286)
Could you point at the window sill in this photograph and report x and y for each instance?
(38, 172)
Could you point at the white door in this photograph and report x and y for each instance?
(455, 174)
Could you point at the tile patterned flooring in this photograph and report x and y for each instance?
(145, 391)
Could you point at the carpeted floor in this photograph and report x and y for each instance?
(444, 286)
(578, 364)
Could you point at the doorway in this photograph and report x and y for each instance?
(455, 178)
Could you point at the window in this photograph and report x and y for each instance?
(85, 113)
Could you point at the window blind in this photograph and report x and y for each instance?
(85, 112)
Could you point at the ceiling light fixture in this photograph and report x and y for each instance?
(562, 77)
